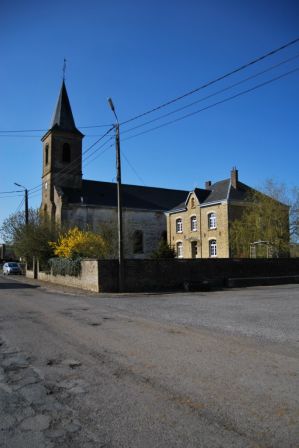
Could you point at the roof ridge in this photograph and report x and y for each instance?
(136, 186)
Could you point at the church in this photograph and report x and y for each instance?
(70, 200)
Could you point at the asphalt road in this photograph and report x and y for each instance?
(215, 369)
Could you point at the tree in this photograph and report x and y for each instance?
(77, 243)
(109, 234)
(164, 250)
(270, 216)
(32, 239)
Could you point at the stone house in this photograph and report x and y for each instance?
(199, 226)
(69, 199)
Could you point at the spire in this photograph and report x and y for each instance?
(63, 116)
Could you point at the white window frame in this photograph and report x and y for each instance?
(212, 221)
(193, 223)
(212, 248)
(179, 225)
(179, 249)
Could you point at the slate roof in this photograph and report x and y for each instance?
(63, 116)
(218, 192)
(138, 197)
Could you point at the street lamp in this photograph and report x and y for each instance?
(26, 202)
(119, 202)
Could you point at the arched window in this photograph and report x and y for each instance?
(212, 221)
(138, 242)
(179, 249)
(213, 248)
(179, 225)
(66, 153)
(193, 223)
(46, 154)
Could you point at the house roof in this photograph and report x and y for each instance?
(63, 116)
(217, 192)
(105, 194)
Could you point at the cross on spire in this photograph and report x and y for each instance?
(63, 69)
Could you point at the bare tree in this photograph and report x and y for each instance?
(270, 216)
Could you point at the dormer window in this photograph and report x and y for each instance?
(66, 153)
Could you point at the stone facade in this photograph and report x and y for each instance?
(199, 218)
(151, 224)
(199, 227)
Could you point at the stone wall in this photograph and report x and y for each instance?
(178, 274)
(88, 279)
(151, 223)
(163, 275)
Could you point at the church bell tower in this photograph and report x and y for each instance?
(62, 154)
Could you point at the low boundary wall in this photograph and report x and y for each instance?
(88, 279)
(174, 274)
(159, 275)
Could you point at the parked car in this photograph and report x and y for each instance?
(11, 268)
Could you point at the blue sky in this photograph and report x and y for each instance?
(143, 54)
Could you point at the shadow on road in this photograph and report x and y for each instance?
(17, 285)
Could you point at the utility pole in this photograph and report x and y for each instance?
(119, 202)
(26, 203)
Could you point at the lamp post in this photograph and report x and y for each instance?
(26, 202)
(119, 202)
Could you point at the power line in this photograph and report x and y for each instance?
(132, 167)
(14, 196)
(100, 154)
(75, 161)
(20, 205)
(45, 130)
(215, 104)
(13, 191)
(181, 118)
(36, 136)
(213, 94)
(66, 171)
(209, 83)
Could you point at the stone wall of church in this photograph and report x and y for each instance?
(152, 225)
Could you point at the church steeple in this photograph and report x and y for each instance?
(63, 116)
(62, 154)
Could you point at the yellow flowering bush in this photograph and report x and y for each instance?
(79, 243)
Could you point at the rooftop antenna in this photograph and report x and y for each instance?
(63, 69)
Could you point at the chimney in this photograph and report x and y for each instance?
(234, 177)
(208, 183)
